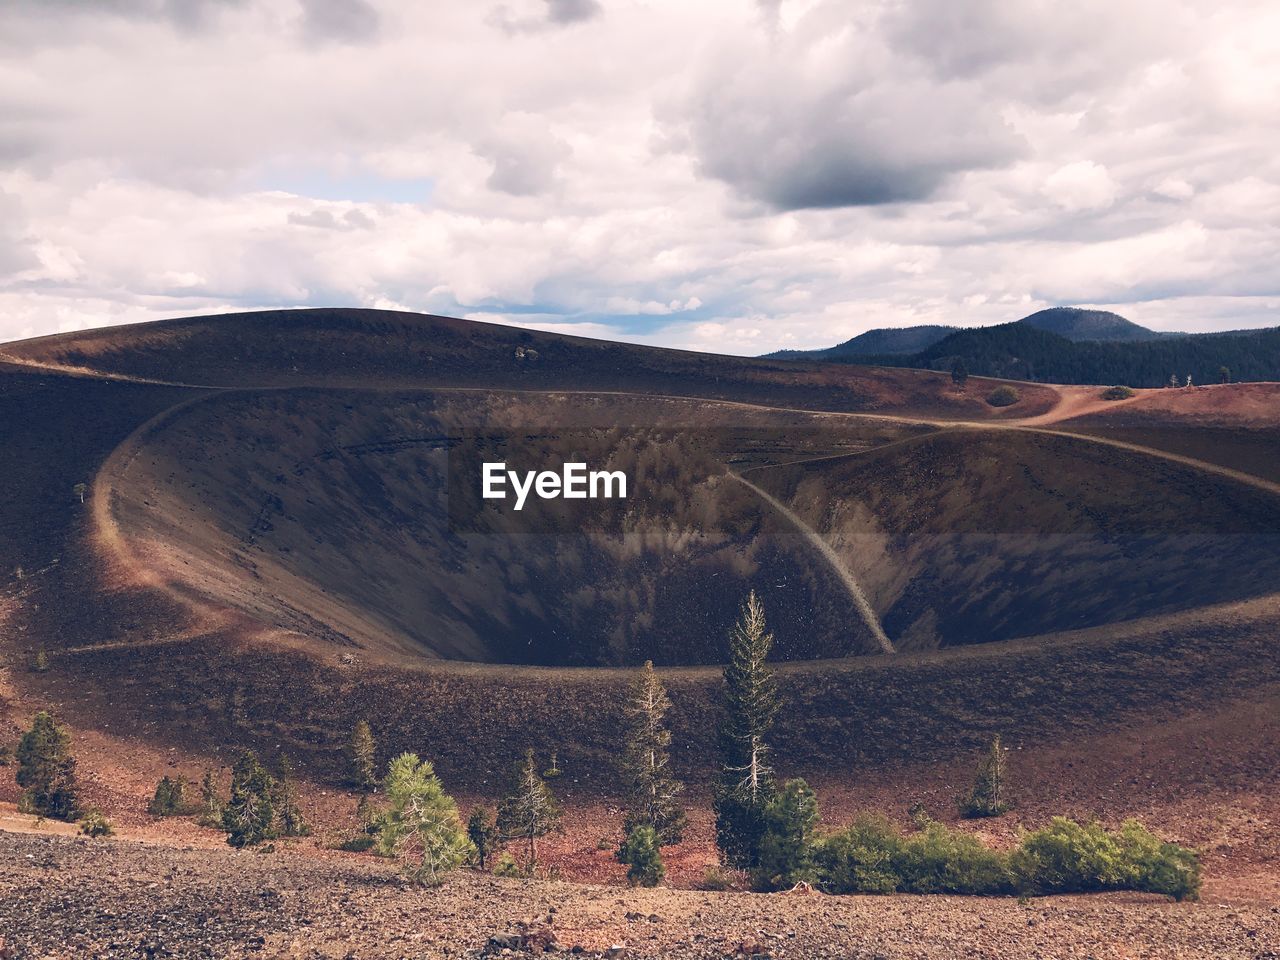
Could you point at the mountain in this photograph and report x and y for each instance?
(1076, 323)
(886, 340)
(1066, 345)
(1024, 352)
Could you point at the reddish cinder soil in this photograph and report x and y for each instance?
(1173, 718)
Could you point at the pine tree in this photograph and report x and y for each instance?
(170, 797)
(959, 372)
(746, 784)
(643, 857)
(249, 816)
(40, 662)
(285, 801)
(210, 801)
(530, 811)
(654, 794)
(421, 826)
(787, 846)
(987, 799)
(47, 770)
(362, 757)
(483, 833)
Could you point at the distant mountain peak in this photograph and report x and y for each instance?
(1080, 323)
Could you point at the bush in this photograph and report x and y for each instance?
(873, 856)
(642, 856)
(1068, 857)
(1117, 393)
(1158, 867)
(861, 858)
(94, 824)
(941, 860)
(357, 844)
(506, 866)
(1003, 396)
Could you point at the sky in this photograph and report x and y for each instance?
(735, 177)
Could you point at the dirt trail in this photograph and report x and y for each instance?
(833, 560)
(1077, 402)
(90, 373)
(1238, 475)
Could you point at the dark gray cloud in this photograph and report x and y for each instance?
(340, 21)
(558, 13)
(846, 143)
(572, 11)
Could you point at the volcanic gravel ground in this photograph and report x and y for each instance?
(72, 898)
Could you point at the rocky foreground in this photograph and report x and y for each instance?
(66, 897)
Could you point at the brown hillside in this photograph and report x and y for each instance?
(183, 605)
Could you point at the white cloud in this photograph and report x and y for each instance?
(1083, 185)
(717, 175)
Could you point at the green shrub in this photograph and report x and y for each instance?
(642, 856)
(357, 844)
(1003, 396)
(94, 824)
(941, 860)
(506, 866)
(873, 856)
(1117, 393)
(1067, 857)
(861, 858)
(786, 847)
(1155, 866)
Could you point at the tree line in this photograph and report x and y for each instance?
(1018, 351)
(767, 830)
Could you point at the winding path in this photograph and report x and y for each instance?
(833, 560)
(1074, 401)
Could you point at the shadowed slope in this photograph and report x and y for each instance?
(366, 348)
(964, 537)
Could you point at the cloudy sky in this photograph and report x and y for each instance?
(721, 175)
